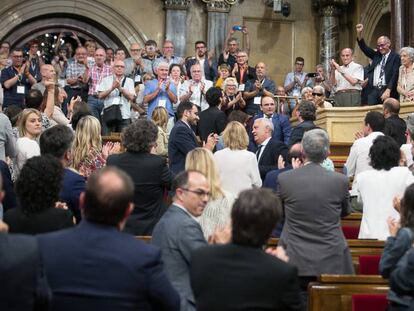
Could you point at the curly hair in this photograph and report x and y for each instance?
(384, 153)
(39, 183)
(140, 136)
(307, 111)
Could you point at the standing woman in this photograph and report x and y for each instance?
(87, 150)
(232, 99)
(160, 118)
(176, 75)
(30, 127)
(406, 77)
(216, 214)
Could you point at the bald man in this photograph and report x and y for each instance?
(382, 74)
(395, 127)
(347, 79)
(48, 74)
(256, 88)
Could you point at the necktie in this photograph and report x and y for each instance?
(381, 76)
(258, 152)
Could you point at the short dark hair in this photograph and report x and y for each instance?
(300, 59)
(407, 208)
(34, 99)
(79, 111)
(150, 42)
(384, 153)
(120, 49)
(307, 110)
(213, 96)
(13, 113)
(392, 105)
(39, 183)
(140, 136)
(181, 179)
(176, 65)
(375, 120)
(254, 215)
(183, 106)
(17, 49)
(106, 205)
(56, 141)
(199, 42)
(239, 116)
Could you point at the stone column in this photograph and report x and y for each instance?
(217, 12)
(398, 37)
(329, 10)
(176, 24)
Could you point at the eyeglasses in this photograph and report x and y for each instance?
(119, 66)
(200, 193)
(380, 46)
(317, 94)
(135, 50)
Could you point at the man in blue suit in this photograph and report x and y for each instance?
(94, 266)
(281, 124)
(182, 137)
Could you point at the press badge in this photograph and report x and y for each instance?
(137, 78)
(20, 89)
(241, 88)
(162, 103)
(257, 100)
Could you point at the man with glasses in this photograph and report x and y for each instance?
(296, 80)
(74, 75)
(178, 232)
(206, 61)
(383, 72)
(168, 55)
(135, 66)
(16, 80)
(347, 79)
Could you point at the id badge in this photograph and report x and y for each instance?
(162, 103)
(20, 89)
(137, 78)
(257, 100)
(241, 88)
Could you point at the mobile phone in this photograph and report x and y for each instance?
(237, 28)
(312, 74)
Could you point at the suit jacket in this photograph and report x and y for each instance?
(314, 200)
(210, 72)
(73, 185)
(391, 69)
(250, 74)
(178, 235)
(182, 140)
(23, 285)
(151, 177)
(212, 120)
(270, 154)
(298, 131)
(395, 127)
(281, 124)
(97, 267)
(234, 277)
(9, 200)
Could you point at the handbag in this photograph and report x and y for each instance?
(112, 114)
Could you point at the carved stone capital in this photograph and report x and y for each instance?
(222, 6)
(177, 4)
(330, 7)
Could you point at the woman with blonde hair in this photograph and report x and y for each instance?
(30, 127)
(217, 211)
(160, 118)
(238, 167)
(87, 150)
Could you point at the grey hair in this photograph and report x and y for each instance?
(305, 89)
(268, 123)
(158, 65)
(315, 144)
(410, 52)
(228, 80)
(319, 87)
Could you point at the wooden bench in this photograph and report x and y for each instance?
(334, 292)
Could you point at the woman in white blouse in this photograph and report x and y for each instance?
(238, 167)
(377, 188)
(30, 127)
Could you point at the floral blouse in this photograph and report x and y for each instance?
(95, 160)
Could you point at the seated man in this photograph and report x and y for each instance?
(94, 266)
(237, 276)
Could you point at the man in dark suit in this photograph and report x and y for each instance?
(209, 66)
(182, 137)
(178, 233)
(315, 199)
(383, 72)
(9, 200)
(395, 127)
(57, 141)
(212, 120)
(268, 150)
(148, 171)
(306, 114)
(281, 124)
(95, 266)
(241, 275)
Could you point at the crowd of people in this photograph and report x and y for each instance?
(206, 155)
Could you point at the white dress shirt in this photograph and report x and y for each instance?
(377, 71)
(354, 70)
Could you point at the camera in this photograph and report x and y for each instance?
(286, 9)
(237, 28)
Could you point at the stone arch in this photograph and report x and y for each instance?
(94, 19)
